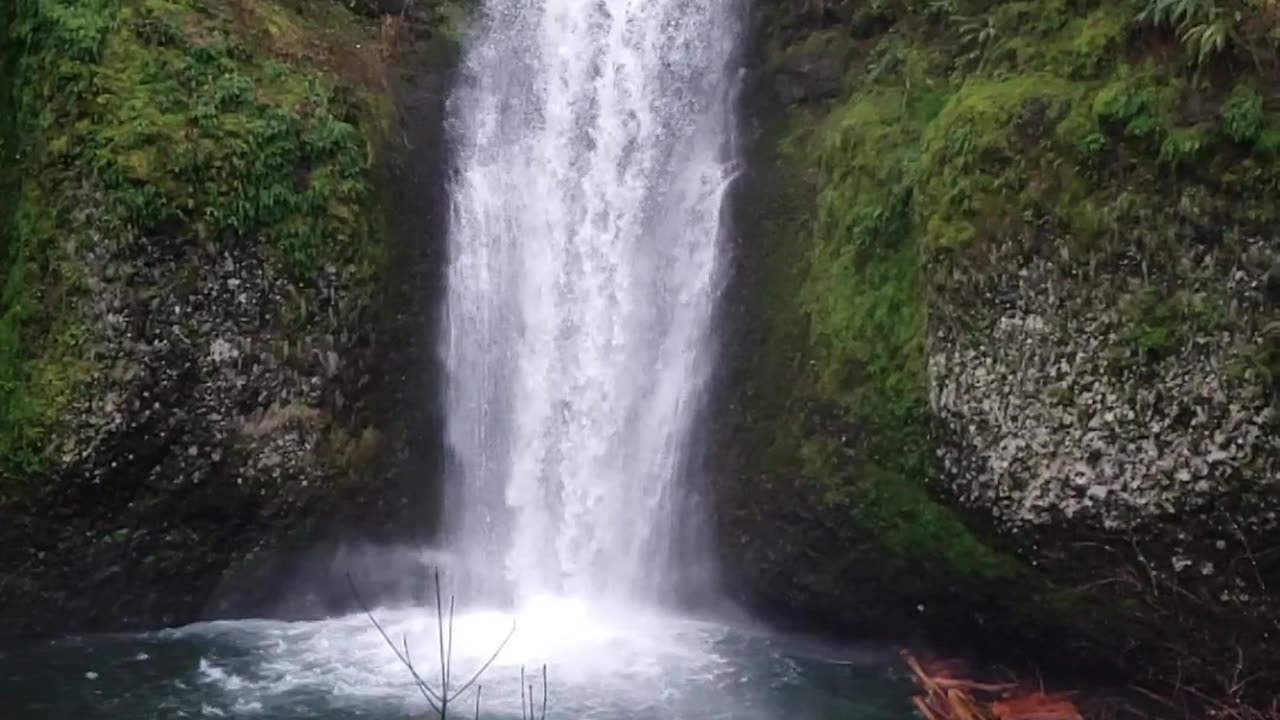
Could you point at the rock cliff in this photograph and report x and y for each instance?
(1003, 359)
(214, 243)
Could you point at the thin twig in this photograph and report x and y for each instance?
(439, 701)
(1153, 696)
(423, 687)
(544, 691)
(511, 633)
(448, 669)
(444, 661)
(1248, 551)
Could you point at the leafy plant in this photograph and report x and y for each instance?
(1092, 145)
(940, 9)
(1242, 114)
(977, 34)
(1181, 146)
(1134, 108)
(1209, 37)
(1208, 28)
(1161, 325)
(1177, 13)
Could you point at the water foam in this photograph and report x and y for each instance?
(599, 659)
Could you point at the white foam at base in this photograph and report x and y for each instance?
(600, 659)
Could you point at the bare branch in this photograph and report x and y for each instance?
(511, 633)
(444, 661)
(423, 687)
(440, 700)
(448, 668)
(544, 691)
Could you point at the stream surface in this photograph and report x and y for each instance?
(609, 664)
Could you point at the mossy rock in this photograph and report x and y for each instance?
(986, 158)
(167, 119)
(989, 158)
(197, 237)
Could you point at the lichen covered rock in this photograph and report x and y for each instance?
(195, 364)
(1004, 357)
(1069, 416)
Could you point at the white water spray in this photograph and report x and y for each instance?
(592, 161)
(591, 140)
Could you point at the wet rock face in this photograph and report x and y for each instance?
(812, 73)
(229, 370)
(1112, 414)
(214, 427)
(1024, 377)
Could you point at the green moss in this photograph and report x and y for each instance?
(170, 123)
(972, 134)
(1078, 47)
(983, 162)
(1183, 145)
(10, 150)
(1158, 325)
(867, 323)
(1243, 118)
(863, 295)
(1137, 106)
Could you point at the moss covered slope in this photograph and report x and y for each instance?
(170, 123)
(195, 263)
(1005, 369)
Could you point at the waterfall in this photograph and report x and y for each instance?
(592, 155)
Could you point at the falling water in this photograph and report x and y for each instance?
(591, 165)
(592, 158)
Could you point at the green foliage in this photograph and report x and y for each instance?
(1262, 360)
(77, 30)
(1161, 325)
(1182, 145)
(978, 161)
(941, 9)
(1242, 115)
(1202, 25)
(263, 151)
(863, 294)
(161, 122)
(1176, 13)
(1092, 146)
(10, 149)
(977, 36)
(974, 134)
(1209, 28)
(1137, 107)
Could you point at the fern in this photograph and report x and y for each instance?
(1242, 115)
(1208, 29)
(1208, 38)
(1176, 13)
(977, 35)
